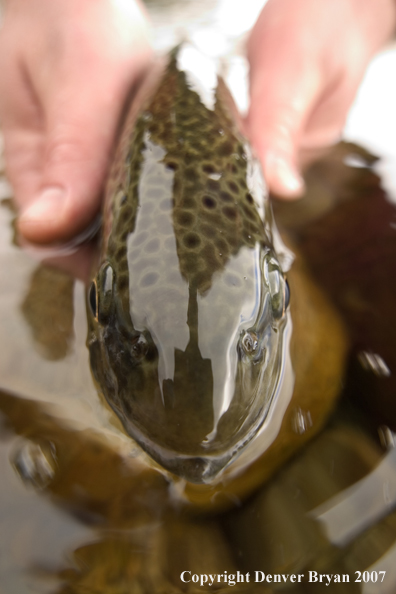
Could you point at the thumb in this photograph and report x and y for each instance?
(74, 160)
(78, 140)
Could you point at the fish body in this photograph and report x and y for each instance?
(189, 323)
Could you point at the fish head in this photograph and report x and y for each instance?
(192, 375)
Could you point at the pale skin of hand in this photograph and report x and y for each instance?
(307, 59)
(66, 67)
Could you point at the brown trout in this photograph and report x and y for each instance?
(189, 318)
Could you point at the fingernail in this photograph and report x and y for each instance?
(283, 178)
(47, 207)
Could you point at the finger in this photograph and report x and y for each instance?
(284, 85)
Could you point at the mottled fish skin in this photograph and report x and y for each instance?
(187, 310)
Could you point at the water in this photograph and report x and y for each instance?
(79, 510)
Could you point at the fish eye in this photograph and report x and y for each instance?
(287, 294)
(93, 299)
(104, 291)
(277, 285)
(139, 347)
(249, 342)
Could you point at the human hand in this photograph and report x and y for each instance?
(66, 67)
(307, 59)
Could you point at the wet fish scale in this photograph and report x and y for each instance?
(212, 214)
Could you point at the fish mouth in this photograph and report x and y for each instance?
(197, 468)
(194, 469)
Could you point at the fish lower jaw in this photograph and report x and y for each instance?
(194, 469)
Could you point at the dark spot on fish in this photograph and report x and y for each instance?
(226, 197)
(185, 219)
(192, 240)
(230, 212)
(135, 168)
(225, 149)
(165, 136)
(127, 211)
(120, 252)
(176, 186)
(209, 169)
(171, 165)
(209, 202)
(122, 282)
(233, 187)
(153, 128)
(123, 264)
(249, 198)
(151, 354)
(149, 279)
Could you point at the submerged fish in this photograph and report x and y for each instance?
(189, 327)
